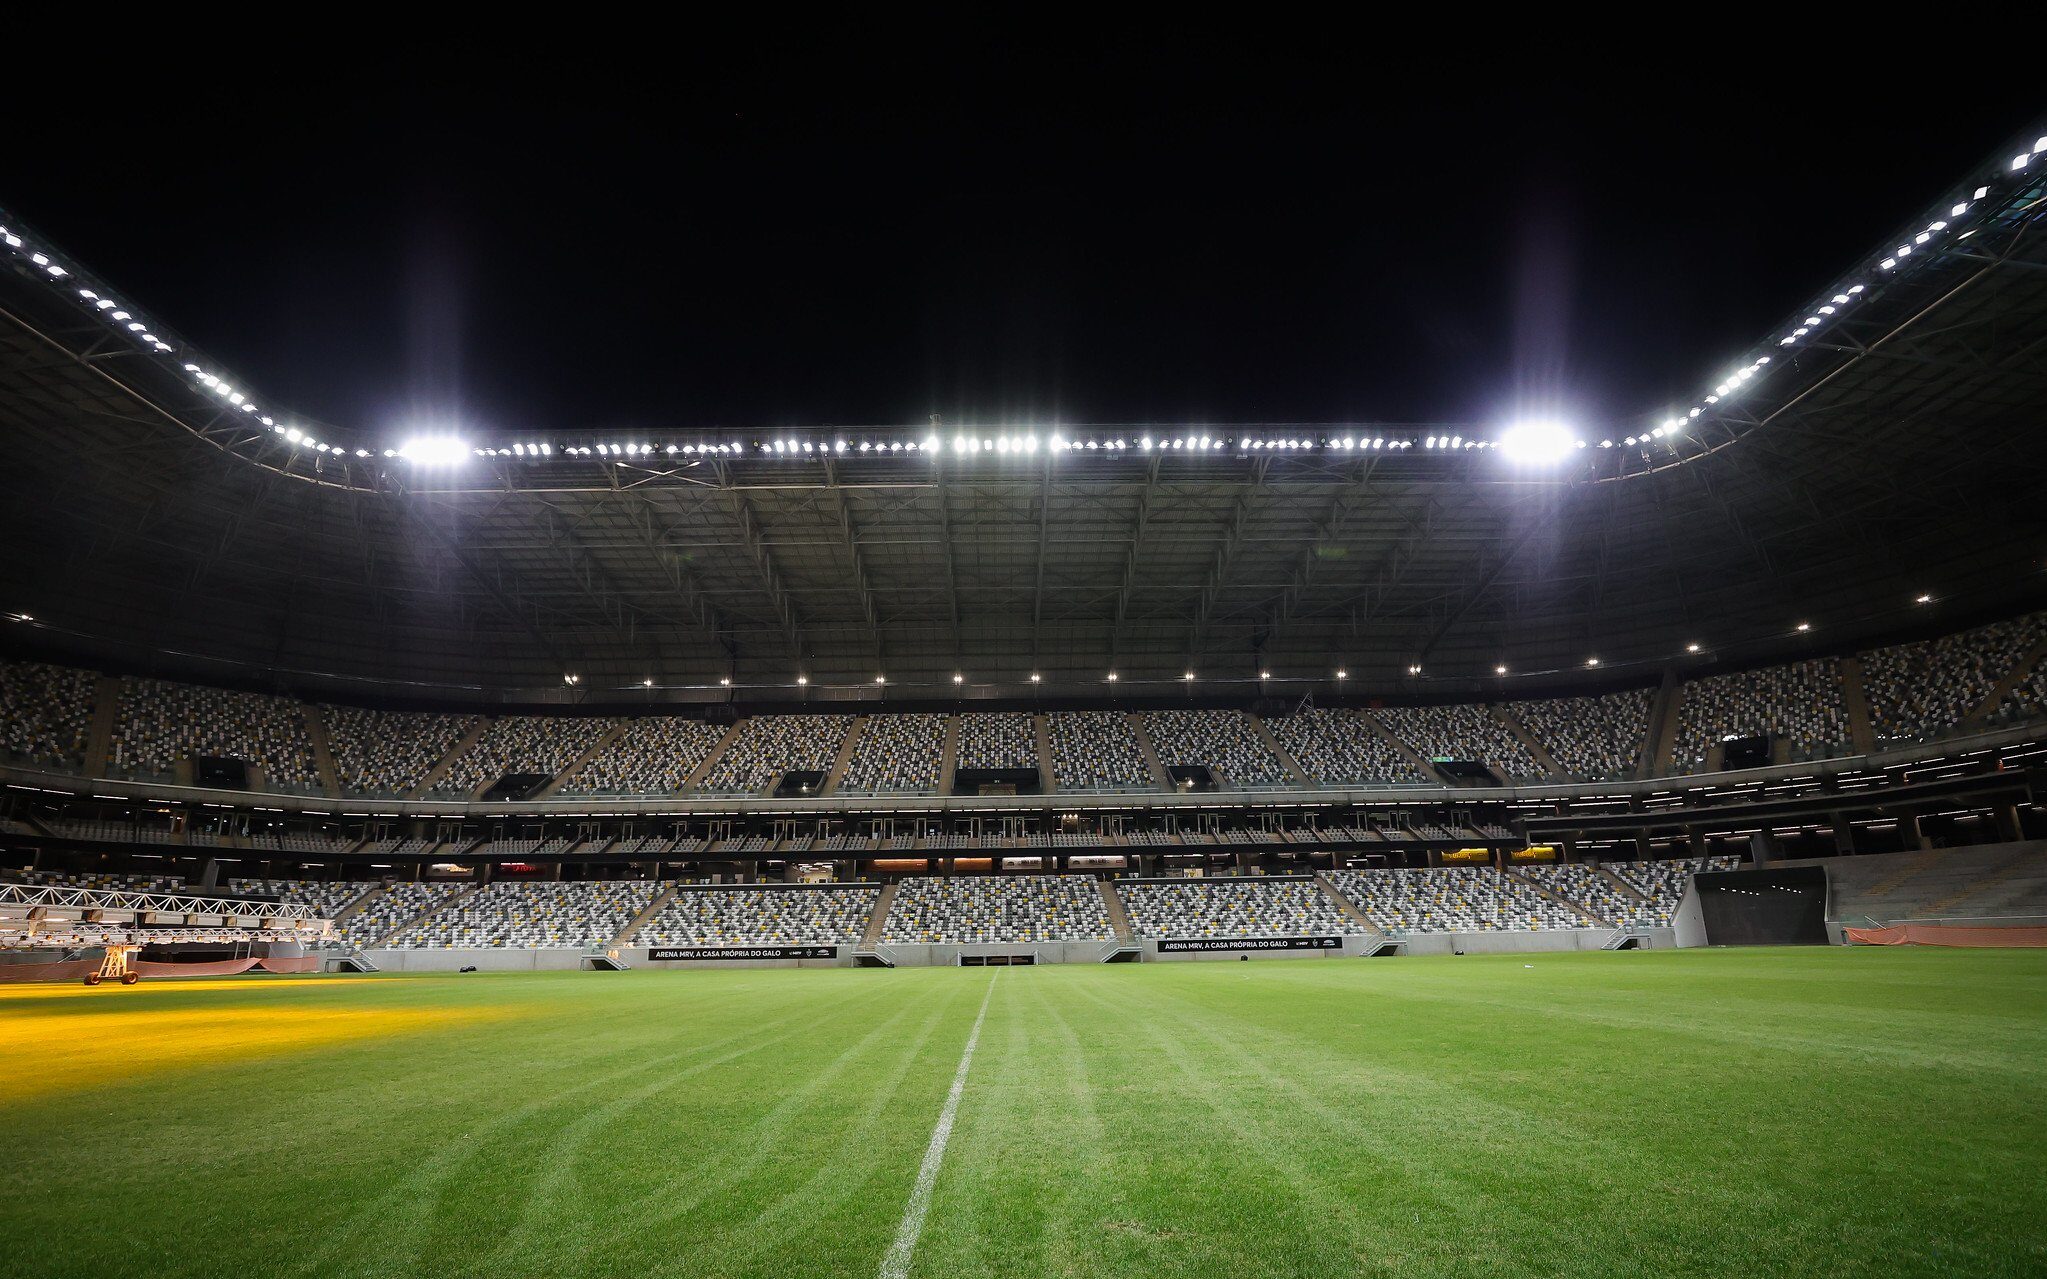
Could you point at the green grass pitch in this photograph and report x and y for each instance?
(1795, 1112)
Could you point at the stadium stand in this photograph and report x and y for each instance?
(161, 723)
(396, 906)
(1924, 690)
(98, 879)
(1001, 739)
(762, 915)
(388, 753)
(537, 744)
(1596, 895)
(1465, 732)
(400, 849)
(1097, 750)
(897, 753)
(2027, 699)
(655, 755)
(45, 714)
(1007, 908)
(534, 916)
(1336, 748)
(1591, 738)
(304, 842)
(1232, 907)
(1222, 740)
(1453, 899)
(770, 745)
(2000, 883)
(327, 896)
(1663, 882)
(1801, 702)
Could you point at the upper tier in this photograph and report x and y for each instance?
(72, 721)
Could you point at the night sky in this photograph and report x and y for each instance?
(868, 230)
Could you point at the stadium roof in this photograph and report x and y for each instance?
(1880, 446)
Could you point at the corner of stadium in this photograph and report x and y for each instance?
(993, 848)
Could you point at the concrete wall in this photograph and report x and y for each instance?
(1534, 941)
(939, 955)
(1689, 923)
(394, 960)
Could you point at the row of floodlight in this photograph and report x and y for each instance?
(1825, 313)
(439, 450)
(1531, 442)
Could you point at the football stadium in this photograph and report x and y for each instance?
(1001, 844)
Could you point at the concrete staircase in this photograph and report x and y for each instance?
(2014, 677)
(1400, 748)
(1512, 723)
(1041, 729)
(639, 921)
(703, 770)
(582, 761)
(1660, 743)
(1294, 771)
(447, 761)
(99, 738)
(323, 754)
(871, 938)
(1619, 885)
(1580, 908)
(1860, 731)
(844, 759)
(948, 754)
(356, 904)
(1119, 917)
(1159, 776)
(1346, 907)
(429, 913)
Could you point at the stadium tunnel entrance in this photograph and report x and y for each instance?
(1777, 906)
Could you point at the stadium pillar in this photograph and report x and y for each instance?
(1844, 835)
(1912, 826)
(209, 873)
(2008, 829)
(1762, 847)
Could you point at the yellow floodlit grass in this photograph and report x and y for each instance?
(50, 1043)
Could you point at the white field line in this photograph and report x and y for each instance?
(896, 1265)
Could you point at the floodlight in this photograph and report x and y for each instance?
(434, 450)
(1540, 441)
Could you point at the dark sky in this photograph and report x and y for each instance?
(852, 227)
